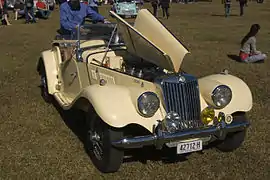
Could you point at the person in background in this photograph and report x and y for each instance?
(141, 2)
(248, 52)
(50, 4)
(227, 5)
(4, 13)
(93, 4)
(73, 13)
(29, 11)
(18, 8)
(42, 9)
(155, 4)
(242, 4)
(165, 5)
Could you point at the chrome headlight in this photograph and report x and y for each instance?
(148, 104)
(222, 96)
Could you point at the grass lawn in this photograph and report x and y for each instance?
(38, 142)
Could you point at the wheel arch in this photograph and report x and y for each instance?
(87, 106)
(48, 60)
(242, 100)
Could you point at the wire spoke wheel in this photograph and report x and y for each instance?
(95, 135)
(98, 145)
(44, 84)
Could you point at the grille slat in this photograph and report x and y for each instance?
(183, 98)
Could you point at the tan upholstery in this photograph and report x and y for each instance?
(66, 53)
(114, 60)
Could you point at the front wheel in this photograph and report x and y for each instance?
(99, 136)
(233, 140)
(44, 85)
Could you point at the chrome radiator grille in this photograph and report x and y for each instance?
(183, 98)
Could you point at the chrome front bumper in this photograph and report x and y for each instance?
(158, 139)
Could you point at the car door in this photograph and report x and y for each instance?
(71, 84)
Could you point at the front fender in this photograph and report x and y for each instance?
(50, 64)
(115, 106)
(241, 94)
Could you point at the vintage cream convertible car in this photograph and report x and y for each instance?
(128, 81)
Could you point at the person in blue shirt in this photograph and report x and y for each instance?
(93, 4)
(73, 13)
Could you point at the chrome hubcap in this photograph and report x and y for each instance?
(44, 85)
(96, 141)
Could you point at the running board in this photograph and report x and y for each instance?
(62, 100)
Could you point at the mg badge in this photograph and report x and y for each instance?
(182, 79)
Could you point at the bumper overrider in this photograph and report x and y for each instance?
(217, 131)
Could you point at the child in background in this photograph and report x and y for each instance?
(42, 9)
(18, 8)
(155, 4)
(4, 12)
(248, 52)
(165, 5)
(227, 4)
(29, 11)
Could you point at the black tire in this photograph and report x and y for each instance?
(43, 80)
(233, 140)
(109, 158)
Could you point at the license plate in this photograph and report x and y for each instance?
(128, 16)
(190, 146)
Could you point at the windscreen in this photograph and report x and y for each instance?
(90, 31)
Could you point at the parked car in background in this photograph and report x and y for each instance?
(125, 8)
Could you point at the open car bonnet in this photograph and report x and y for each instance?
(151, 41)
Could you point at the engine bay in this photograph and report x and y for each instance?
(143, 70)
(126, 63)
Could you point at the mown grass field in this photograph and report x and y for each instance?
(38, 142)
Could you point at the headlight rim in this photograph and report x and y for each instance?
(213, 93)
(138, 101)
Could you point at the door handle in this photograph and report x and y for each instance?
(74, 74)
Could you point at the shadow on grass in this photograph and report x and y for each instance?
(223, 15)
(238, 59)
(166, 155)
(234, 57)
(75, 121)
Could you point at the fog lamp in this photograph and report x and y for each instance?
(228, 119)
(207, 115)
